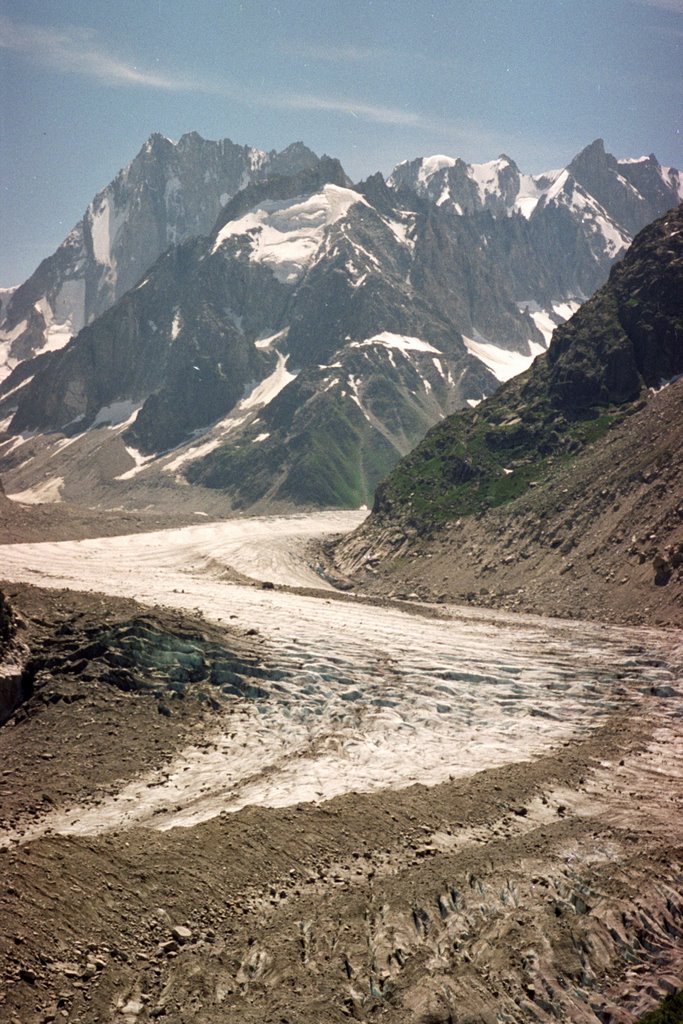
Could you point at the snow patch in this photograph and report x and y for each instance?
(431, 165)
(16, 332)
(140, 461)
(257, 158)
(545, 325)
(546, 320)
(528, 196)
(557, 186)
(487, 177)
(6, 369)
(400, 231)
(286, 235)
(266, 391)
(566, 310)
(271, 339)
(673, 178)
(401, 342)
(197, 451)
(47, 493)
(665, 384)
(66, 318)
(502, 363)
(116, 414)
(353, 383)
(105, 222)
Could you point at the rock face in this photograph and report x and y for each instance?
(317, 333)
(168, 193)
(629, 335)
(7, 625)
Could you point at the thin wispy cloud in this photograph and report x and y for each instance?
(455, 133)
(367, 111)
(78, 51)
(335, 54)
(74, 50)
(665, 5)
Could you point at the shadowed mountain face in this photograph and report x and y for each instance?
(305, 344)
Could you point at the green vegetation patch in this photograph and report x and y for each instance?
(481, 459)
(668, 1012)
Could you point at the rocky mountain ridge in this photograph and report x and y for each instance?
(168, 193)
(311, 339)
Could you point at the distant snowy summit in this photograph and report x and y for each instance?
(613, 198)
(174, 191)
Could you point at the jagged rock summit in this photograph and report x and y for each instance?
(169, 192)
(627, 338)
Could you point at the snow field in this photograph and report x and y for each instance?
(286, 235)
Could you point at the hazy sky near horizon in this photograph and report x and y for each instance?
(85, 82)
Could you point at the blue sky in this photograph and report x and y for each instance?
(83, 83)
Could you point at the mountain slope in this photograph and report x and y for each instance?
(563, 489)
(168, 193)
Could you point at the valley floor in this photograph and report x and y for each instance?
(236, 795)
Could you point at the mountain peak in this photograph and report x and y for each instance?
(622, 341)
(591, 156)
(190, 139)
